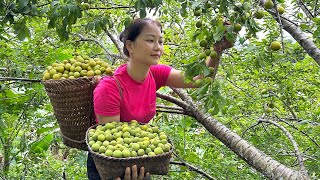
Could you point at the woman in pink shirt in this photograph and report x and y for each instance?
(131, 92)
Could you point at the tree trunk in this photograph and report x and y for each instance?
(253, 156)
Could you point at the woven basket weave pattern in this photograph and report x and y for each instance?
(73, 108)
(110, 167)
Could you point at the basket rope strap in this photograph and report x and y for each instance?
(76, 141)
(119, 87)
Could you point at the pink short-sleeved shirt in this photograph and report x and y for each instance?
(138, 98)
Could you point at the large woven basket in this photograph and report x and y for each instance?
(111, 168)
(72, 101)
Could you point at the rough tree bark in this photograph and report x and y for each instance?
(253, 156)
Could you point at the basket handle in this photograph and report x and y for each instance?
(119, 86)
(75, 141)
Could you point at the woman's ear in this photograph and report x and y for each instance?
(129, 45)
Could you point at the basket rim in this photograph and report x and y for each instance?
(60, 80)
(128, 158)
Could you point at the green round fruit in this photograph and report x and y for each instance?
(46, 76)
(213, 54)
(197, 12)
(126, 153)
(158, 150)
(208, 52)
(268, 4)
(108, 152)
(117, 154)
(202, 55)
(237, 27)
(203, 43)
(259, 14)
(102, 149)
(141, 152)
(198, 82)
(199, 24)
(95, 147)
(280, 9)
(264, 91)
(275, 45)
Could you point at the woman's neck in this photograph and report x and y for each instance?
(137, 72)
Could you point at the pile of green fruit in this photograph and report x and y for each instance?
(124, 140)
(77, 67)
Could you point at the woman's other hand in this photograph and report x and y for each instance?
(132, 174)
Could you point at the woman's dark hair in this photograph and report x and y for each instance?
(132, 31)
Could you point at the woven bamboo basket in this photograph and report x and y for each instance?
(72, 101)
(111, 168)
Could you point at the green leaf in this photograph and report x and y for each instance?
(42, 144)
(142, 13)
(316, 33)
(316, 20)
(22, 4)
(64, 11)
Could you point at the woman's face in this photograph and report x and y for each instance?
(148, 46)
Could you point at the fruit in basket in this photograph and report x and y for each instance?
(124, 140)
(77, 67)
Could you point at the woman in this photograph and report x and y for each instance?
(131, 92)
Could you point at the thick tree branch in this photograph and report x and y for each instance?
(173, 100)
(115, 42)
(255, 158)
(192, 168)
(294, 143)
(171, 111)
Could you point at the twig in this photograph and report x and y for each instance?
(305, 9)
(82, 38)
(250, 127)
(117, 7)
(315, 8)
(280, 24)
(170, 107)
(289, 108)
(299, 131)
(192, 168)
(18, 79)
(294, 143)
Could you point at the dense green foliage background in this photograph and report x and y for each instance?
(34, 34)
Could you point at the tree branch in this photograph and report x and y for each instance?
(306, 11)
(170, 107)
(173, 100)
(300, 131)
(111, 55)
(294, 143)
(114, 7)
(192, 168)
(115, 42)
(171, 111)
(315, 8)
(18, 79)
(285, 104)
(293, 29)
